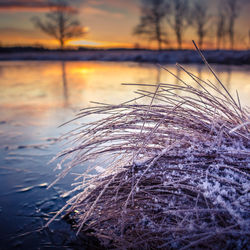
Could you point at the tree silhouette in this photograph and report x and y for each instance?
(232, 10)
(220, 26)
(151, 22)
(60, 22)
(178, 20)
(200, 20)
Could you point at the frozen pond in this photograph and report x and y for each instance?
(35, 98)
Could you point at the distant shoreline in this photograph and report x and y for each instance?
(148, 56)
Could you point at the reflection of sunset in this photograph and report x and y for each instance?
(76, 70)
(75, 84)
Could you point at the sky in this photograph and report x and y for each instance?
(110, 23)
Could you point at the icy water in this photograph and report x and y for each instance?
(35, 98)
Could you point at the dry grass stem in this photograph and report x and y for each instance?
(171, 174)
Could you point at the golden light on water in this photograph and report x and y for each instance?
(76, 84)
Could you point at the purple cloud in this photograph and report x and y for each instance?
(27, 5)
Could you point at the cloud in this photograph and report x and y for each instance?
(118, 5)
(100, 12)
(27, 5)
(101, 7)
(12, 32)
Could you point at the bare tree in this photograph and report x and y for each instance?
(151, 22)
(200, 20)
(232, 10)
(178, 20)
(220, 26)
(60, 22)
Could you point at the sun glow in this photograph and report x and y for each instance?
(98, 44)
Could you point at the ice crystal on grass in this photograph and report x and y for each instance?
(177, 174)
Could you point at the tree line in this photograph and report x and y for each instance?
(158, 17)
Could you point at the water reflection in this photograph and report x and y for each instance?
(199, 69)
(178, 76)
(225, 75)
(65, 85)
(228, 78)
(37, 83)
(158, 75)
(39, 88)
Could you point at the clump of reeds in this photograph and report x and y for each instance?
(170, 174)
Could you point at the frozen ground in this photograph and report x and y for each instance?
(186, 56)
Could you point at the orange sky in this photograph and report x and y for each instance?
(110, 24)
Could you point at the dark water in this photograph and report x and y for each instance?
(35, 98)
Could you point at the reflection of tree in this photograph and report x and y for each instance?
(178, 74)
(65, 85)
(228, 78)
(225, 75)
(158, 75)
(199, 74)
(177, 81)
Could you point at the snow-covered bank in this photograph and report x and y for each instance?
(187, 56)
